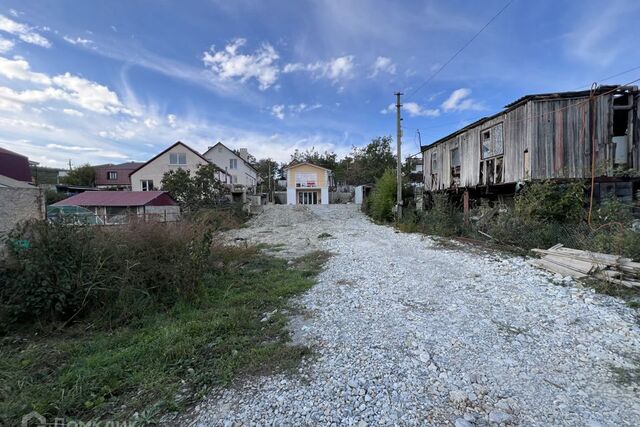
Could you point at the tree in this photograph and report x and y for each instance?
(366, 165)
(84, 175)
(311, 155)
(267, 170)
(194, 191)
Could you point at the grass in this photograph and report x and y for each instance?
(164, 362)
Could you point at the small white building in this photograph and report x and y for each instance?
(148, 177)
(308, 184)
(236, 165)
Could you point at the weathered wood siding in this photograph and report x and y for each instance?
(556, 133)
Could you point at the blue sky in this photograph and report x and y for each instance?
(117, 80)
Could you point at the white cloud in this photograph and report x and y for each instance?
(72, 112)
(172, 120)
(383, 65)
(293, 109)
(229, 64)
(334, 69)
(6, 45)
(70, 147)
(413, 109)
(23, 31)
(459, 101)
(18, 69)
(78, 41)
(15, 13)
(416, 110)
(66, 87)
(278, 111)
(151, 123)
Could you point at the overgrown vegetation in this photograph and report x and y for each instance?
(380, 204)
(84, 175)
(540, 216)
(194, 191)
(108, 322)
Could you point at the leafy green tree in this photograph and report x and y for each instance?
(194, 191)
(326, 160)
(84, 175)
(365, 165)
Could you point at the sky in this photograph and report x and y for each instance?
(117, 81)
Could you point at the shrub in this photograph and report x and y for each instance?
(443, 219)
(546, 201)
(114, 274)
(383, 198)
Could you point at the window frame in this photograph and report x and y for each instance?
(494, 137)
(233, 163)
(178, 157)
(144, 185)
(110, 174)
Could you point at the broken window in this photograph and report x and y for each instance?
(455, 166)
(492, 141)
(527, 165)
(434, 170)
(491, 165)
(622, 108)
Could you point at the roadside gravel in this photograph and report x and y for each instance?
(406, 332)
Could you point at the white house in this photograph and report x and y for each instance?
(308, 184)
(237, 165)
(148, 176)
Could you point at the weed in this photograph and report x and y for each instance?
(165, 359)
(324, 235)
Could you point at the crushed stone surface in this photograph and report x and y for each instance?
(405, 331)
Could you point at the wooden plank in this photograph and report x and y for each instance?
(586, 267)
(556, 268)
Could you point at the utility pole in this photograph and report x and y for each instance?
(399, 158)
(270, 198)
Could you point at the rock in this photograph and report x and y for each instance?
(499, 417)
(461, 422)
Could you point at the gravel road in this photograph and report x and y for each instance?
(408, 332)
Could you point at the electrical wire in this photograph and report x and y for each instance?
(604, 79)
(459, 51)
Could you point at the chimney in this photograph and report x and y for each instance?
(243, 153)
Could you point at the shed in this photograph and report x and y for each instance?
(117, 207)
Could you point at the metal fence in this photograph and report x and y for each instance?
(95, 219)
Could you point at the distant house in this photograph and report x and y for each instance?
(307, 184)
(116, 207)
(237, 165)
(115, 176)
(14, 165)
(148, 176)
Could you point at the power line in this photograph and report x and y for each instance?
(609, 77)
(435, 73)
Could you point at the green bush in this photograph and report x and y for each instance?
(68, 272)
(547, 201)
(383, 198)
(444, 218)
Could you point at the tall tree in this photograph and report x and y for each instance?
(326, 160)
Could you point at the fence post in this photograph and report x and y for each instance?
(465, 198)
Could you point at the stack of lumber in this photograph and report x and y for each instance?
(581, 264)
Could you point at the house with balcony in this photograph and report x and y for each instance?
(308, 184)
(148, 176)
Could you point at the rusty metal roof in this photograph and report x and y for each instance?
(118, 198)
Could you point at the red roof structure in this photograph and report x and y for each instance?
(14, 165)
(119, 198)
(121, 175)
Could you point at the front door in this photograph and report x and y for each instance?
(307, 197)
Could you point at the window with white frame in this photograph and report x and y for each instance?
(147, 184)
(233, 163)
(306, 179)
(112, 175)
(178, 159)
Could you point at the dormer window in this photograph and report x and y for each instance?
(112, 176)
(178, 159)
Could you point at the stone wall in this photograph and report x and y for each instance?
(17, 205)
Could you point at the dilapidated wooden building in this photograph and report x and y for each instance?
(537, 137)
